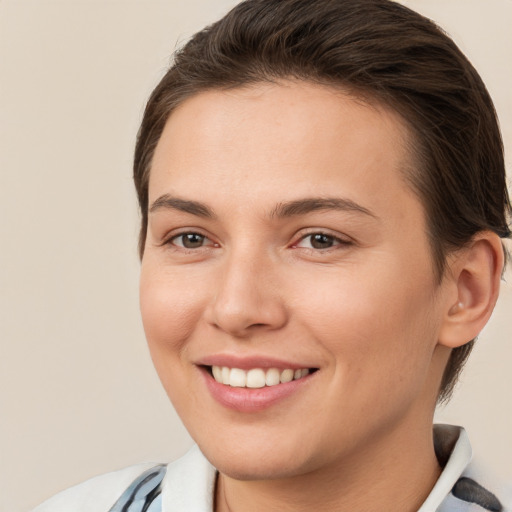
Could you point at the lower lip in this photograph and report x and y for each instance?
(252, 399)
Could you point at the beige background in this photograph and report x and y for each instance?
(78, 394)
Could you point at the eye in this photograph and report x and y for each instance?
(320, 241)
(190, 240)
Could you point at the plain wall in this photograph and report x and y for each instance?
(78, 394)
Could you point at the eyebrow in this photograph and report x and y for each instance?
(169, 202)
(312, 204)
(282, 210)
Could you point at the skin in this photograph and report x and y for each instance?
(364, 309)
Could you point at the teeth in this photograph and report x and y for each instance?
(237, 378)
(287, 376)
(256, 377)
(217, 373)
(272, 377)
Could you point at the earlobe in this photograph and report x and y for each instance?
(475, 282)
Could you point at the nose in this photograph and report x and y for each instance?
(247, 298)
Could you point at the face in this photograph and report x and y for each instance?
(287, 285)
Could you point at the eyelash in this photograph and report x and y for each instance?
(328, 238)
(334, 240)
(172, 240)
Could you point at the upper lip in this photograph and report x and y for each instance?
(249, 362)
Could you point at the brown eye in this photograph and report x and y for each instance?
(189, 240)
(321, 241)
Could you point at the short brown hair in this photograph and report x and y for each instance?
(385, 52)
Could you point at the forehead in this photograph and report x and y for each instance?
(273, 140)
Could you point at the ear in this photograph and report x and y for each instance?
(473, 276)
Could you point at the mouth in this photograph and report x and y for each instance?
(256, 378)
(253, 384)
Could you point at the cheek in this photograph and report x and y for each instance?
(170, 311)
(378, 326)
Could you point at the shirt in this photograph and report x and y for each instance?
(188, 485)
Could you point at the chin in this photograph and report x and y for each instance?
(260, 468)
(264, 460)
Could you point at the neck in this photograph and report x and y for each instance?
(395, 474)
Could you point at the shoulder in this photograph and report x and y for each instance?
(185, 484)
(98, 493)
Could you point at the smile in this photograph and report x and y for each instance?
(256, 377)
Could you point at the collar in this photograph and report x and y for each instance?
(189, 483)
(453, 450)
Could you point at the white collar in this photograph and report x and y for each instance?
(452, 444)
(189, 483)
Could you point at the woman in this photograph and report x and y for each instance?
(323, 199)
